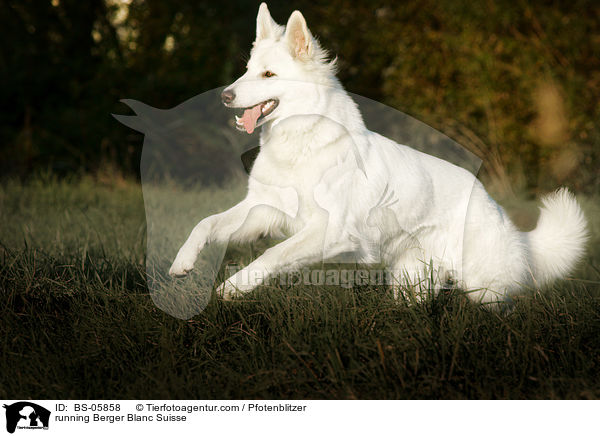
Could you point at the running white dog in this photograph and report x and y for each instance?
(335, 187)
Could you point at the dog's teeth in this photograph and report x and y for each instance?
(267, 106)
(238, 120)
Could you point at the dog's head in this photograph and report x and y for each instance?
(287, 67)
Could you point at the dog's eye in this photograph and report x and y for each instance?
(268, 74)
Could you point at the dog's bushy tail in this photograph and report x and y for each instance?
(558, 241)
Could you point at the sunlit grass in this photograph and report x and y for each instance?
(78, 320)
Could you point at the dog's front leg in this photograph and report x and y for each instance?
(303, 248)
(217, 228)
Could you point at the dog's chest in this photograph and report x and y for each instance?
(283, 178)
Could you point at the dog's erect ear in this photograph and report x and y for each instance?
(298, 36)
(265, 25)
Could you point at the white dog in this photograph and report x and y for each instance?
(334, 187)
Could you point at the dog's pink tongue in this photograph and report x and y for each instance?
(250, 116)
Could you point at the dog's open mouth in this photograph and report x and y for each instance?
(256, 115)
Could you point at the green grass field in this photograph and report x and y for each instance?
(78, 320)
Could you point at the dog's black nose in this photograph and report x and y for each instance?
(227, 96)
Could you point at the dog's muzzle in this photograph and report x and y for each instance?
(227, 97)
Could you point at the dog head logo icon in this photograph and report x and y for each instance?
(26, 415)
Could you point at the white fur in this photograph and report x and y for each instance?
(335, 187)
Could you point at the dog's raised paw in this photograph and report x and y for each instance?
(180, 268)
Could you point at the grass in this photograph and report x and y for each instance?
(78, 320)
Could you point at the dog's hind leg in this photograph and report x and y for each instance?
(414, 278)
(409, 279)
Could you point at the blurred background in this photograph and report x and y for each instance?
(515, 82)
